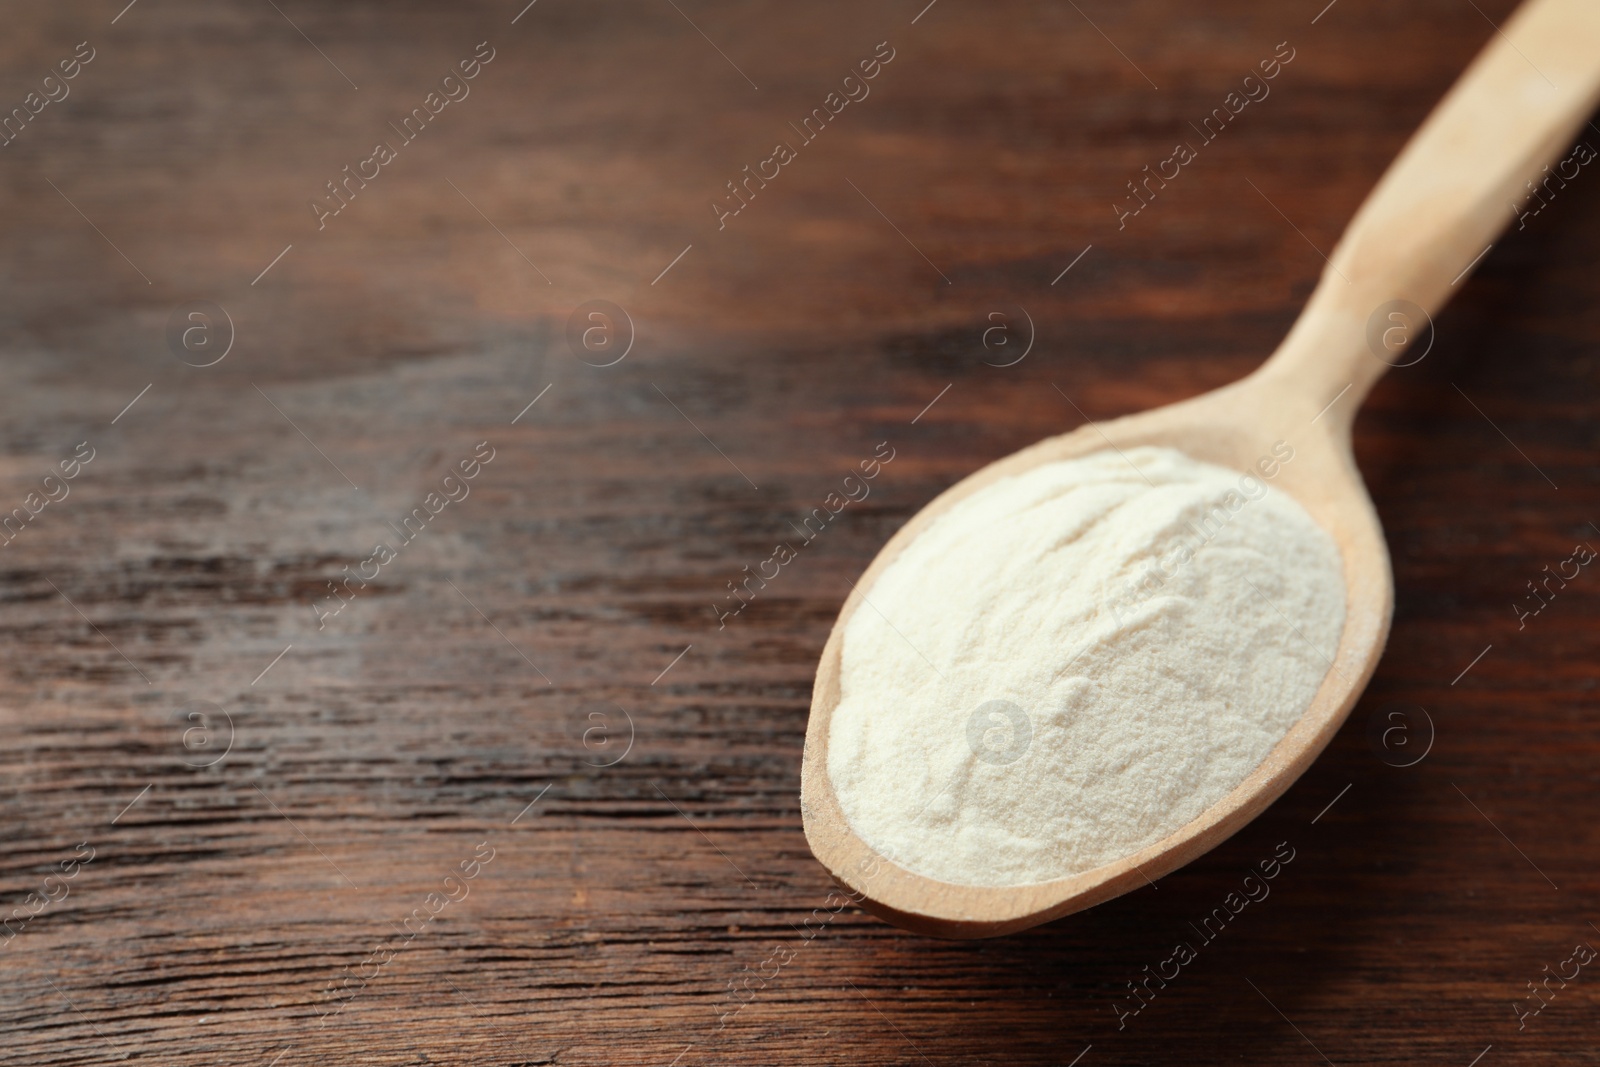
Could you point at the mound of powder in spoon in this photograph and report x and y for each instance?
(1074, 662)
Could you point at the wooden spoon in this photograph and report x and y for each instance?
(1460, 180)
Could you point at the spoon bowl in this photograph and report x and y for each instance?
(1417, 235)
(1232, 427)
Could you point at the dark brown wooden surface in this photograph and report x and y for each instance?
(374, 757)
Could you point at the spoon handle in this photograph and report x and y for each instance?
(1493, 152)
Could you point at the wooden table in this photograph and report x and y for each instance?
(413, 831)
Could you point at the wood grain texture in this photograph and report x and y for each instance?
(377, 754)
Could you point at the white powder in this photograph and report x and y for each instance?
(1154, 626)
